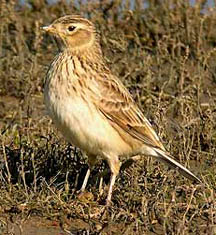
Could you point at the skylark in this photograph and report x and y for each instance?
(90, 105)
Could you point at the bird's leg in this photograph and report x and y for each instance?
(102, 174)
(85, 181)
(112, 182)
(101, 185)
(115, 167)
(91, 162)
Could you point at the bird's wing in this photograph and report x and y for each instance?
(116, 103)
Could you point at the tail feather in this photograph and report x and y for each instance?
(164, 157)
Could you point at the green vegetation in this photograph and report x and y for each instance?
(165, 54)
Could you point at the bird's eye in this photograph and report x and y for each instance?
(71, 28)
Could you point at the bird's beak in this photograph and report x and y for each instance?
(48, 29)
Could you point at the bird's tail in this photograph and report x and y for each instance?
(164, 157)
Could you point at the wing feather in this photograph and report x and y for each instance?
(116, 103)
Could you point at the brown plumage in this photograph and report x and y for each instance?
(90, 105)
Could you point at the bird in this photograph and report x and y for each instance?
(92, 108)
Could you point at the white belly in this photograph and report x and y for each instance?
(82, 125)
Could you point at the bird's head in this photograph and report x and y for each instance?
(73, 32)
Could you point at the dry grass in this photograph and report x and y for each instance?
(165, 55)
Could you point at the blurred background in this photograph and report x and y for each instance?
(146, 3)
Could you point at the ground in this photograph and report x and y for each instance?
(165, 55)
